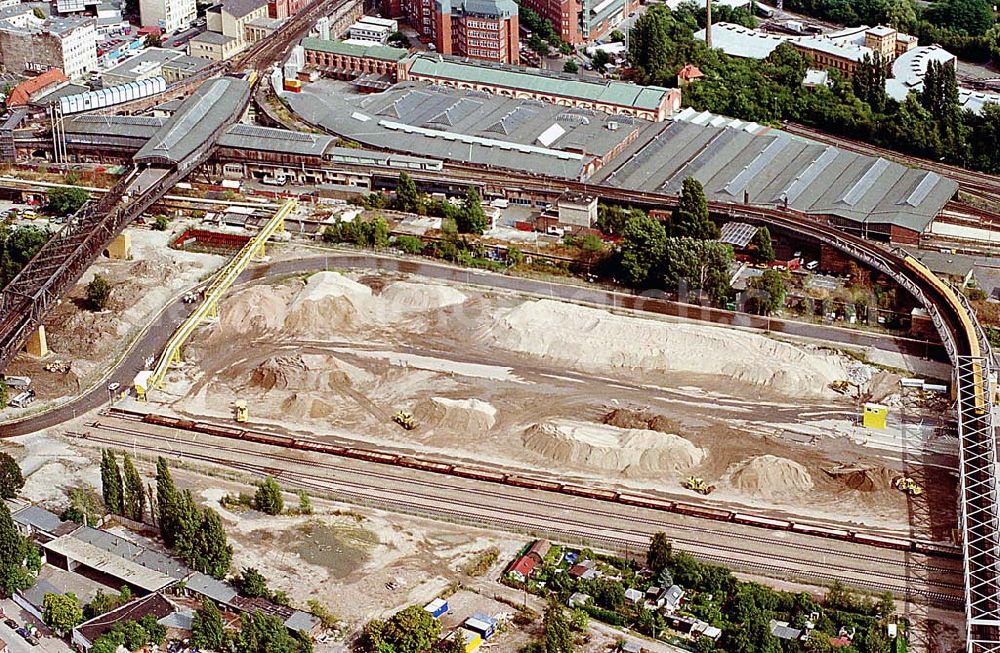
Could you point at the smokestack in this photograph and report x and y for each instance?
(708, 23)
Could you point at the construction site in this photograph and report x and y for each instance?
(608, 398)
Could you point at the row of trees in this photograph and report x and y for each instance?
(930, 124)
(17, 246)
(124, 495)
(195, 534)
(469, 218)
(259, 633)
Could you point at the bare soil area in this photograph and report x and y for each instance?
(580, 392)
(89, 342)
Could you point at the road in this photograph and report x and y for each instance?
(782, 554)
(151, 342)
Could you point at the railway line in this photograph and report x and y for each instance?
(492, 475)
(407, 491)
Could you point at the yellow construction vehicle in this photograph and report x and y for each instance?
(240, 410)
(908, 485)
(405, 419)
(697, 484)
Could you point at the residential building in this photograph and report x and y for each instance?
(169, 15)
(480, 29)
(522, 568)
(373, 29)
(614, 97)
(31, 88)
(689, 73)
(285, 8)
(227, 28)
(29, 43)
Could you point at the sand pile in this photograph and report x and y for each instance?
(256, 310)
(306, 405)
(770, 477)
(328, 303)
(863, 479)
(591, 338)
(627, 418)
(631, 452)
(306, 372)
(462, 415)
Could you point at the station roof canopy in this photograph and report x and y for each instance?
(190, 127)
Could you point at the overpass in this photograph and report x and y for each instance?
(178, 146)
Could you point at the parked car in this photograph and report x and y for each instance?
(10, 623)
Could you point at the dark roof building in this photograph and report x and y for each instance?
(87, 633)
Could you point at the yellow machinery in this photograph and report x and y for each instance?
(874, 416)
(240, 410)
(697, 484)
(908, 485)
(209, 307)
(405, 420)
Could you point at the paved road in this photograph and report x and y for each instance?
(153, 340)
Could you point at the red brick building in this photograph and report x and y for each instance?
(284, 8)
(350, 60)
(480, 29)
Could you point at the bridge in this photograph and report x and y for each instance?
(183, 143)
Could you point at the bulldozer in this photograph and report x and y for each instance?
(908, 485)
(405, 419)
(240, 410)
(697, 484)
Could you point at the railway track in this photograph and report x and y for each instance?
(553, 504)
(812, 565)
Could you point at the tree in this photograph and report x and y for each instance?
(901, 14)
(111, 482)
(617, 36)
(207, 629)
(600, 60)
(11, 479)
(61, 612)
(570, 66)
(156, 633)
(134, 493)
(213, 554)
(66, 200)
(326, 618)
(691, 215)
(154, 40)
(514, 256)
(252, 584)
(4, 396)
(557, 638)
(697, 265)
(767, 292)
(17, 247)
(264, 633)
(643, 240)
(407, 198)
(471, 219)
(969, 17)
(134, 636)
(579, 620)
(305, 503)
(188, 521)
(408, 244)
(160, 223)
(658, 554)
(166, 502)
(19, 559)
(763, 251)
(411, 630)
(268, 498)
(98, 293)
(39, 14)
(455, 643)
(869, 81)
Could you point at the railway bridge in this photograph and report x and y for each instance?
(180, 145)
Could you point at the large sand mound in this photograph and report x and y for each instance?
(770, 477)
(631, 452)
(592, 338)
(461, 415)
(328, 303)
(627, 418)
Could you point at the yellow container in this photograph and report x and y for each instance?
(875, 416)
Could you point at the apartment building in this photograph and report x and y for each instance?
(227, 28)
(479, 29)
(169, 15)
(29, 43)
